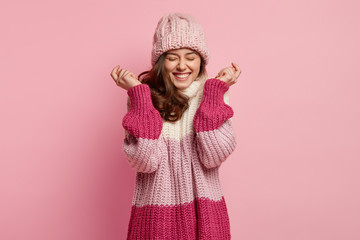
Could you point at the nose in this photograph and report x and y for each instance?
(182, 65)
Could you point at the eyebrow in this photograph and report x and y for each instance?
(185, 54)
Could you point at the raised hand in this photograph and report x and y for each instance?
(229, 74)
(124, 78)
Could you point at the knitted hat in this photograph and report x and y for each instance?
(178, 30)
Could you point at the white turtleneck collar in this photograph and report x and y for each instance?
(194, 87)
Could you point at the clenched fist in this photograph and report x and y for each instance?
(229, 74)
(124, 78)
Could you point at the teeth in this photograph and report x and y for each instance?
(182, 75)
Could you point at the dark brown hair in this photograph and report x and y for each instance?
(165, 97)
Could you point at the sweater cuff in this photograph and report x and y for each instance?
(140, 98)
(214, 90)
(142, 120)
(213, 111)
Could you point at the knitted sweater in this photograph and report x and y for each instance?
(178, 193)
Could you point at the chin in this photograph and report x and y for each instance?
(182, 85)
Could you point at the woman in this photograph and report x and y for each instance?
(178, 131)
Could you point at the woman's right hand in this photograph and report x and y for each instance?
(124, 78)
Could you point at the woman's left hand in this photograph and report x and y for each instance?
(229, 74)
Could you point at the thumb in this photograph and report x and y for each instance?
(234, 66)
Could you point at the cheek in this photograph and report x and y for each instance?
(168, 67)
(166, 70)
(196, 66)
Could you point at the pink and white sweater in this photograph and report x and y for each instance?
(178, 193)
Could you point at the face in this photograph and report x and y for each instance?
(182, 66)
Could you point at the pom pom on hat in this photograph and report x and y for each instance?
(178, 30)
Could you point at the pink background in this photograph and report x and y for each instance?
(294, 174)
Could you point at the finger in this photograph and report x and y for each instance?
(231, 69)
(234, 65)
(237, 68)
(122, 73)
(237, 74)
(115, 68)
(114, 76)
(113, 73)
(127, 74)
(230, 72)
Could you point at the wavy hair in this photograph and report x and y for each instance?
(166, 98)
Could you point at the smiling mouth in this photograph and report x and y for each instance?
(181, 76)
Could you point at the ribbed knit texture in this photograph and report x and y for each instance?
(213, 111)
(142, 120)
(178, 193)
(179, 30)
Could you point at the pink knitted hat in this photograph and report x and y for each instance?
(178, 30)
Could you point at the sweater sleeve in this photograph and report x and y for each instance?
(143, 125)
(215, 137)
